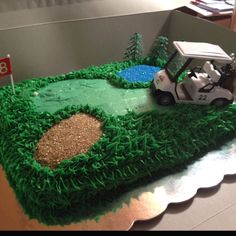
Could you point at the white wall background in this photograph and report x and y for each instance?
(23, 12)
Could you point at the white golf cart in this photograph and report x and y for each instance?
(201, 85)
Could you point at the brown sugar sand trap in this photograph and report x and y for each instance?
(67, 139)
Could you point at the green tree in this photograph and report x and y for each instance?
(159, 55)
(134, 50)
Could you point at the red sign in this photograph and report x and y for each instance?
(5, 67)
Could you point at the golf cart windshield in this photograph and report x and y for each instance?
(174, 66)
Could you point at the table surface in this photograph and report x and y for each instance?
(211, 209)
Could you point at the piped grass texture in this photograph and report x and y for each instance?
(110, 73)
(132, 148)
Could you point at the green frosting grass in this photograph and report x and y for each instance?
(132, 148)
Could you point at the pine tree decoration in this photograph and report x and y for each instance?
(135, 49)
(159, 55)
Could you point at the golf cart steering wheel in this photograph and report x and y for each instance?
(192, 73)
(194, 70)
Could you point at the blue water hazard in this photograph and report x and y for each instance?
(141, 73)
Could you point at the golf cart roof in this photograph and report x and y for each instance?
(201, 50)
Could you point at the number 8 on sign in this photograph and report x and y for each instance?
(3, 68)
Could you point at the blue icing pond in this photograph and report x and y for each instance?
(140, 73)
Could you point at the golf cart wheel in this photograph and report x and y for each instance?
(153, 89)
(165, 99)
(220, 102)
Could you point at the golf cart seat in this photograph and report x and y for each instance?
(201, 80)
(213, 73)
(209, 76)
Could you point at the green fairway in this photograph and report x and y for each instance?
(95, 93)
